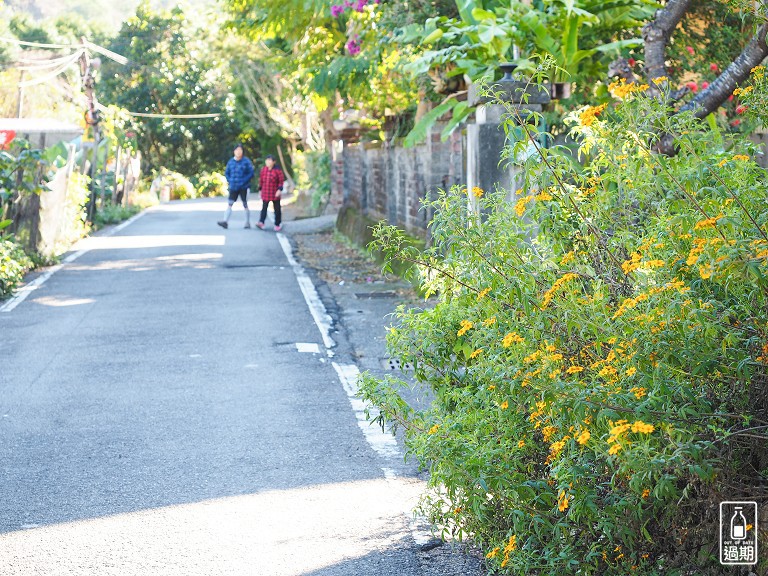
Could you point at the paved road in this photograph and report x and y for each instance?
(156, 417)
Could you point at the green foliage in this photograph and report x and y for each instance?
(209, 185)
(181, 188)
(113, 214)
(171, 70)
(13, 265)
(313, 177)
(598, 353)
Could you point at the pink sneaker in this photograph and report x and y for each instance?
(260, 225)
(278, 228)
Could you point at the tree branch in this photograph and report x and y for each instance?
(710, 99)
(657, 33)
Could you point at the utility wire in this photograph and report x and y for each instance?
(173, 116)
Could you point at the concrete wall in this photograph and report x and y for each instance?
(385, 181)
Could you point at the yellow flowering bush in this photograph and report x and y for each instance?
(621, 391)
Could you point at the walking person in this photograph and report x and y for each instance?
(239, 173)
(271, 180)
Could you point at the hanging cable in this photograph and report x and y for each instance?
(34, 44)
(175, 116)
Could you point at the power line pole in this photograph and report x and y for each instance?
(87, 67)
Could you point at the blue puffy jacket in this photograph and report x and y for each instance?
(239, 173)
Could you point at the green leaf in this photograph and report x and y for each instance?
(460, 113)
(433, 37)
(420, 130)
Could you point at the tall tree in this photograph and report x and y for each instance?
(172, 72)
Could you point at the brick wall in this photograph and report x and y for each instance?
(385, 181)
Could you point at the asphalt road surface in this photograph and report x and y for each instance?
(158, 417)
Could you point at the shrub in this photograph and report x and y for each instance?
(179, 185)
(14, 263)
(113, 214)
(212, 184)
(313, 171)
(599, 350)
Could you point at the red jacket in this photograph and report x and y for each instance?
(270, 181)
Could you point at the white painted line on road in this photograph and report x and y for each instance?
(27, 289)
(308, 347)
(383, 443)
(316, 308)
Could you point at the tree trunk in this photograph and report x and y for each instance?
(656, 35)
(707, 101)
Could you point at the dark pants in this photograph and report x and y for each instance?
(276, 206)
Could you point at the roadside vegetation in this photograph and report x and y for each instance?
(598, 351)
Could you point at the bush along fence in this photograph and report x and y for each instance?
(598, 352)
(44, 195)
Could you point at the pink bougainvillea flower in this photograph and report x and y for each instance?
(735, 122)
(337, 11)
(730, 98)
(690, 50)
(713, 67)
(704, 85)
(692, 86)
(632, 61)
(741, 109)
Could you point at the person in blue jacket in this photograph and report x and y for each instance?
(239, 173)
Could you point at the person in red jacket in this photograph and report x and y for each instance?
(271, 180)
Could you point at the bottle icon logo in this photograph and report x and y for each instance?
(738, 533)
(738, 525)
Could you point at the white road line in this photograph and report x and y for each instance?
(383, 443)
(316, 308)
(27, 289)
(308, 347)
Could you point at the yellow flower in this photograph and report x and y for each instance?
(707, 223)
(562, 501)
(741, 157)
(567, 258)
(504, 405)
(631, 371)
(646, 493)
(512, 338)
(621, 89)
(493, 553)
(706, 271)
(584, 437)
(614, 449)
(490, 321)
(549, 294)
(574, 370)
(639, 392)
(505, 561)
(511, 545)
(642, 427)
(476, 353)
(521, 443)
(434, 429)
(483, 293)
(589, 115)
(521, 203)
(548, 432)
(660, 80)
(478, 192)
(466, 326)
